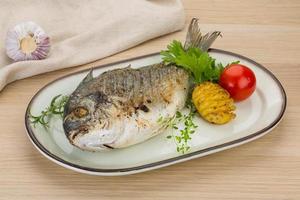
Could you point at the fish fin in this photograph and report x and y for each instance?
(87, 78)
(194, 37)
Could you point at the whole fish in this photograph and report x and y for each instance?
(121, 107)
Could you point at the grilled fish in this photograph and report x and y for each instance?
(121, 107)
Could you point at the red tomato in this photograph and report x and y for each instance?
(239, 81)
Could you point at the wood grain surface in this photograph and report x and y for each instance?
(267, 31)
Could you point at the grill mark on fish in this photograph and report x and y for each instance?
(124, 84)
(121, 88)
(106, 145)
(144, 86)
(135, 86)
(150, 83)
(144, 108)
(130, 84)
(154, 82)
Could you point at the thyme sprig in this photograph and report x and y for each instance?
(181, 136)
(56, 107)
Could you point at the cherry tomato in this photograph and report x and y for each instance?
(239, 81)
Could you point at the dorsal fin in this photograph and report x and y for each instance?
(87, 78)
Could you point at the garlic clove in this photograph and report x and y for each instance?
(27, 41)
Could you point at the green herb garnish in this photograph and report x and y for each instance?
(56, 107)
(201, 66)
(182, 136)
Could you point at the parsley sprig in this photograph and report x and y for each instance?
(201, 66)
(181, 136)
(56, 107)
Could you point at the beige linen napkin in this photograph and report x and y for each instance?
(83, 31)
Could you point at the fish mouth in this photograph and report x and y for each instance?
(87, 137)
(88, 140)
(75, 139)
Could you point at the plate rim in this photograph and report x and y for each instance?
(161, 163)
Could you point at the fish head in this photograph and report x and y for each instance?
(86, 119)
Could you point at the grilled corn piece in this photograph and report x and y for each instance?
(213, 103)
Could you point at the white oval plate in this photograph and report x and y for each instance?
(256, 116)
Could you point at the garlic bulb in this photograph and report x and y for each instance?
(27, 41)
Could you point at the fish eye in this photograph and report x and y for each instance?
(80, 112)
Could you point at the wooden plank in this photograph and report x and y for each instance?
(267, 31)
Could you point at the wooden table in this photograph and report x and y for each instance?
(269, 168)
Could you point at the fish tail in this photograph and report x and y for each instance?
(194, 37)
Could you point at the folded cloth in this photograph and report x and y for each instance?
(84, 31)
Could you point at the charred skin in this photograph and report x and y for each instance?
(120, 108)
